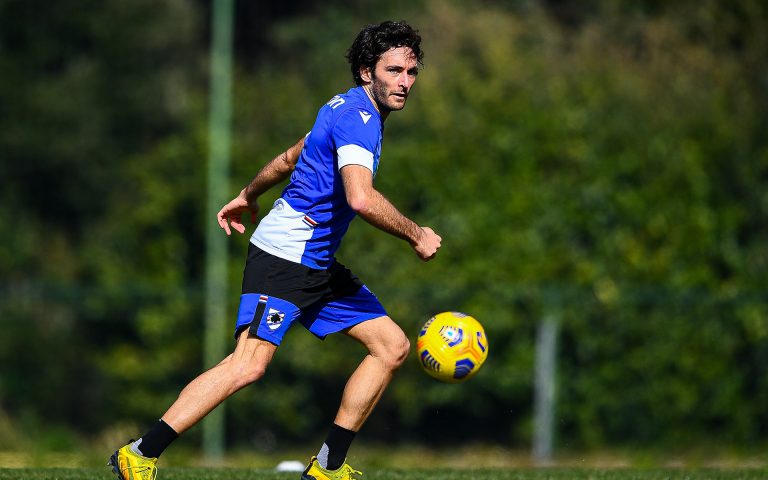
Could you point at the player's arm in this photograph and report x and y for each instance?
(375, 209)
(274, 172)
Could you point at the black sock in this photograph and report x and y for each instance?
(337, 445)
(156, 440)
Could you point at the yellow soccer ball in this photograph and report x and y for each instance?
(452, 347)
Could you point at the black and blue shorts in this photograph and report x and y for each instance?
(277, 293)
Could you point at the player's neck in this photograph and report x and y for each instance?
(383, 114)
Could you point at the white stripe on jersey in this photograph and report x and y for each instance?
(355, 155)
(283, 232)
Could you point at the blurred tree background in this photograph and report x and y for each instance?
(607, 160)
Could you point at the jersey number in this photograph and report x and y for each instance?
(335, 102)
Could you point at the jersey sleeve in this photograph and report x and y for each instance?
(356, 136)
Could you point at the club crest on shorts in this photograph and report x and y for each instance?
(275, 319)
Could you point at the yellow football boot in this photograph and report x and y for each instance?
(132, 466)
(315, 472)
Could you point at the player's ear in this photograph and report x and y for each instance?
(365, 74)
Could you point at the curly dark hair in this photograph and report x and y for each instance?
(374, 40)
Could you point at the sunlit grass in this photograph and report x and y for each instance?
(388, 474)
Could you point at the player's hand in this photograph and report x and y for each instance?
(428, 244)
(232, 213)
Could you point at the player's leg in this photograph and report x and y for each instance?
(262, 321)
(387, 348)
(244, 366)
(353, 309)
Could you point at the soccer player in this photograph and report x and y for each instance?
(291, 275)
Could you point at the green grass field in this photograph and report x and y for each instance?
(389, 474)
(413, 462)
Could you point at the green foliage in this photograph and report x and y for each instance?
(85, 264)
(608, 167)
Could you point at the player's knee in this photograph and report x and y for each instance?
(255, 373)
(398, 352)
(405, 348)
(248, 374)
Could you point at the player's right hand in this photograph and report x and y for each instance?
(232, 213)
(428, 244)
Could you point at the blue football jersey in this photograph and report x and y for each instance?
(311, 216)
